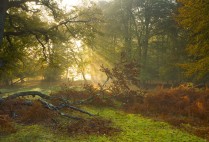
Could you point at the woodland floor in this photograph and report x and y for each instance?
(134, 128)
(109, 125)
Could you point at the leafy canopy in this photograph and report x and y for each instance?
(193, 16)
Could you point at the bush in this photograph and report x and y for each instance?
(180, 101)
(178, 106)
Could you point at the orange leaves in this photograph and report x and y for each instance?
(178, 106)
(21, 111)
(36, 114)
(200, 106)
(6, 125)
(194, 18)
(181, 101)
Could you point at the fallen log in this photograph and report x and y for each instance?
(28, 93)
(47, 104)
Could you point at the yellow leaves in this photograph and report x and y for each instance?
(199, 68)
(193, 16)
(200, 106)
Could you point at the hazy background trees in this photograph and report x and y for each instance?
(38, 35)
(146, 31)
(167, 39)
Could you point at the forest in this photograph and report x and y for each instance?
(104, 71)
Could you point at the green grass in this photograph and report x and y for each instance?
(135, 128)
(45, 88)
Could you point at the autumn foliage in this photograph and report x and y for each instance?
(36, 114)
(178, 106)
(180, 101)
(6, 125)
(21, 111)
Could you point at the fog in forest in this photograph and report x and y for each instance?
(100, 63)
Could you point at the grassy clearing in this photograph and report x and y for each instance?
(135, 128)
(43, 87)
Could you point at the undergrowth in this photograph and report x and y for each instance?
(133, 128)
(6, 125)
(178, 106)
(36, 114)
(186, 108)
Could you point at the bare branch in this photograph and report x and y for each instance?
(52, 107)
(9, 41)
(47, 104)
(43, 46)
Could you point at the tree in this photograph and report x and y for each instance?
(145, 31)
(37, 27)
(193, 17)
(3, 8)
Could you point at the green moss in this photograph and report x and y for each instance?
(135, 128)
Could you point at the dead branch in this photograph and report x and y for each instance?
(74, 108)
(84, 101)
(55, 108)
(48, 105)
(66, 104)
